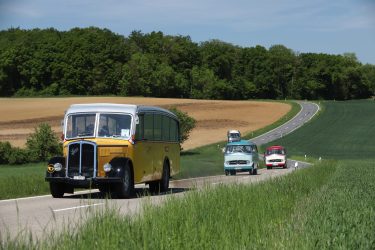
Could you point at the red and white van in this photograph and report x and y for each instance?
(275, 156)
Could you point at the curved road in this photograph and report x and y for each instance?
(41, 214)
(308, 111)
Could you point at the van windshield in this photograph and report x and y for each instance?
(238, 149)
(277, 151)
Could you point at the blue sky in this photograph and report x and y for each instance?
(326, 26)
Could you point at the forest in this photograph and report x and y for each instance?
(95, 61)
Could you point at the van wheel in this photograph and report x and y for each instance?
(126, 188)
(268, 167)
(57, 189)
(226, 172)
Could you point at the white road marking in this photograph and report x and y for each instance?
(25, 198)
(77, 207)
(43, 196)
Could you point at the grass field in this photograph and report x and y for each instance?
(344, 131)
(23, 180)
(328, 206)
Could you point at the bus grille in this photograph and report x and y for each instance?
(81, 159)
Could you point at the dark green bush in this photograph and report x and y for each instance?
(187, 123)
(5, 151)
(19, 156)
(43, 144)
(12, 155)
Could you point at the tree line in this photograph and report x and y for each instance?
(94, 61)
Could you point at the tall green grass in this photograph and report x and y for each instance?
(314, 208)
(341, 214)
(225, 217)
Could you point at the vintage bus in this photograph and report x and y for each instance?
(115, 146)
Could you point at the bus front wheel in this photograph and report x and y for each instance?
(57, 189)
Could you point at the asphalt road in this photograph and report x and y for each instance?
(43, 214)
(308, 110)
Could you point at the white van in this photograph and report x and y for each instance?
(234, 135)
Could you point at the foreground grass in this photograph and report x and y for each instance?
(321, 207)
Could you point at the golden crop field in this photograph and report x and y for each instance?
(21, 115)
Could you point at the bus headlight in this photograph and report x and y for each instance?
(57, 166)
(107, 167)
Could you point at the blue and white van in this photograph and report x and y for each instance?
(241, 156)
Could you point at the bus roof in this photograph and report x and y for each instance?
(241, 143)
(112, 107)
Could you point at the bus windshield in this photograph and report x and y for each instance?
(110, 125)
(80, 125)
(114, 125)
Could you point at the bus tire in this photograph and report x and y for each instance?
(126, 188)
(163, 184)
(105, 188)
(57, 189)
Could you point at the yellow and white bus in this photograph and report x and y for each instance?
(114, 146)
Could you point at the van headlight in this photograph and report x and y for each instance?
(57, 166)
(107, 167)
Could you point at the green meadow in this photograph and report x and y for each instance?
(345, 130)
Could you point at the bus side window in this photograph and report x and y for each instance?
(165, 128)
(149, 127)
(157, 127)
(173, 131)
(139, 129)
